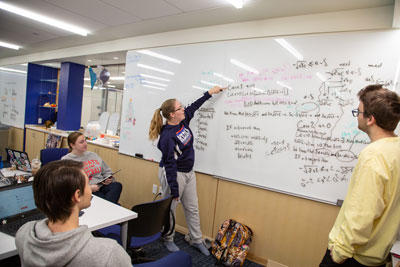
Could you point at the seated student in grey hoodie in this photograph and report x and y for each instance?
(101, 181)
(61, 189)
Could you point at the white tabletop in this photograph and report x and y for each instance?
(396, 248)
(100, 214)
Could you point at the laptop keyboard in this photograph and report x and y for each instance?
(12, 228)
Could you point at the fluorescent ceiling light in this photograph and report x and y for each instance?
(155, 69)
(13, 70)
(244, 66)
(237, 3)
(290, 48)
(155, 77)
(8, 45)
(121, 78)
(284, 85)
(24, 64)
(198, 87)
(115, 58)
(43, 19)
(212, 84)
(158, 88)
(160, 84)
(153, 54)
(223, 77)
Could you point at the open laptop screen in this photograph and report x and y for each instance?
(16, 199)
(19, 159)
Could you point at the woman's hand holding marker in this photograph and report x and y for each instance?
(216, 90)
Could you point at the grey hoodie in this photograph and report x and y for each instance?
(95, 168)
(38, 246)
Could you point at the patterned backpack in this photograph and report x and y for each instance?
(232, 243)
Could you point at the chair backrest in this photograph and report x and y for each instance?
(52, 154)
(153, 217)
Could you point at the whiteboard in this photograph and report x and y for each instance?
(13, 95)
(285, 124)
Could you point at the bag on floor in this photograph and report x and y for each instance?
(232, 243)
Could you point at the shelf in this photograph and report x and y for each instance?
(49, 80)
(46, 107)
(48, 94)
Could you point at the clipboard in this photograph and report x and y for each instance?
(112, 174)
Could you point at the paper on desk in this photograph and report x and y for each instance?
(10, 173)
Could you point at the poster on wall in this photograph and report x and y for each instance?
(12, 95)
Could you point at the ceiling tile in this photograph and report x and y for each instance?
(22, 31)
(146, 9)
(44, 8)
(97, 11)
(192, 5)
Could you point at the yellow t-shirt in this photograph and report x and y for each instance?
(367, 224)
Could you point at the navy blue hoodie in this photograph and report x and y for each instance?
(176, 145)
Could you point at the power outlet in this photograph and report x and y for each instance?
(155, 189)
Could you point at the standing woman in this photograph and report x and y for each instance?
(176, 174)
(101, 181)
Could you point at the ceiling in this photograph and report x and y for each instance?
(115, 19)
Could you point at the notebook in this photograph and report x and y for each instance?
(17, 206)
(19, 159)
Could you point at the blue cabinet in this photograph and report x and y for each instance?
(41, 88)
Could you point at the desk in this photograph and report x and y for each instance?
(100, 214)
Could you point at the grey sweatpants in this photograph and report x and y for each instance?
(188, 197)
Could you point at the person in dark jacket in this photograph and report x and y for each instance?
(176, 174)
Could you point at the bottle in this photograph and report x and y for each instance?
(36, 164)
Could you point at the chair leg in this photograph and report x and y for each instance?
(137, 255)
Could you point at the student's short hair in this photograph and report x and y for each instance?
(54, 186)
(381, 103)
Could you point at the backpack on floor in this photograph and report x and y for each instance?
(232, 243)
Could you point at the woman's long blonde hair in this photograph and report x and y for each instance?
(157, 121)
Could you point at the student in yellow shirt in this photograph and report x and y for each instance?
(367, 224)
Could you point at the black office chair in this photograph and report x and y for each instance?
(153, 222)
(52, 154)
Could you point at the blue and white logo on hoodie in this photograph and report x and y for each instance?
(184, 135)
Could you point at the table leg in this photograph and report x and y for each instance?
(124, 234)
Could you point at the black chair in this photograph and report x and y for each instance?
(153, 222)
(179, 258)
(52, 154)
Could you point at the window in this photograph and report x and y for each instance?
(106, 98)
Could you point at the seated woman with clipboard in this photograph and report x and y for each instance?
(101, 179)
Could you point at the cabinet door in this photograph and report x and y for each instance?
(16, 139)
(109, 156)
(92, 148)
(34, 142)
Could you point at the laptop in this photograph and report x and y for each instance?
(19, 159)
(17, 207)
